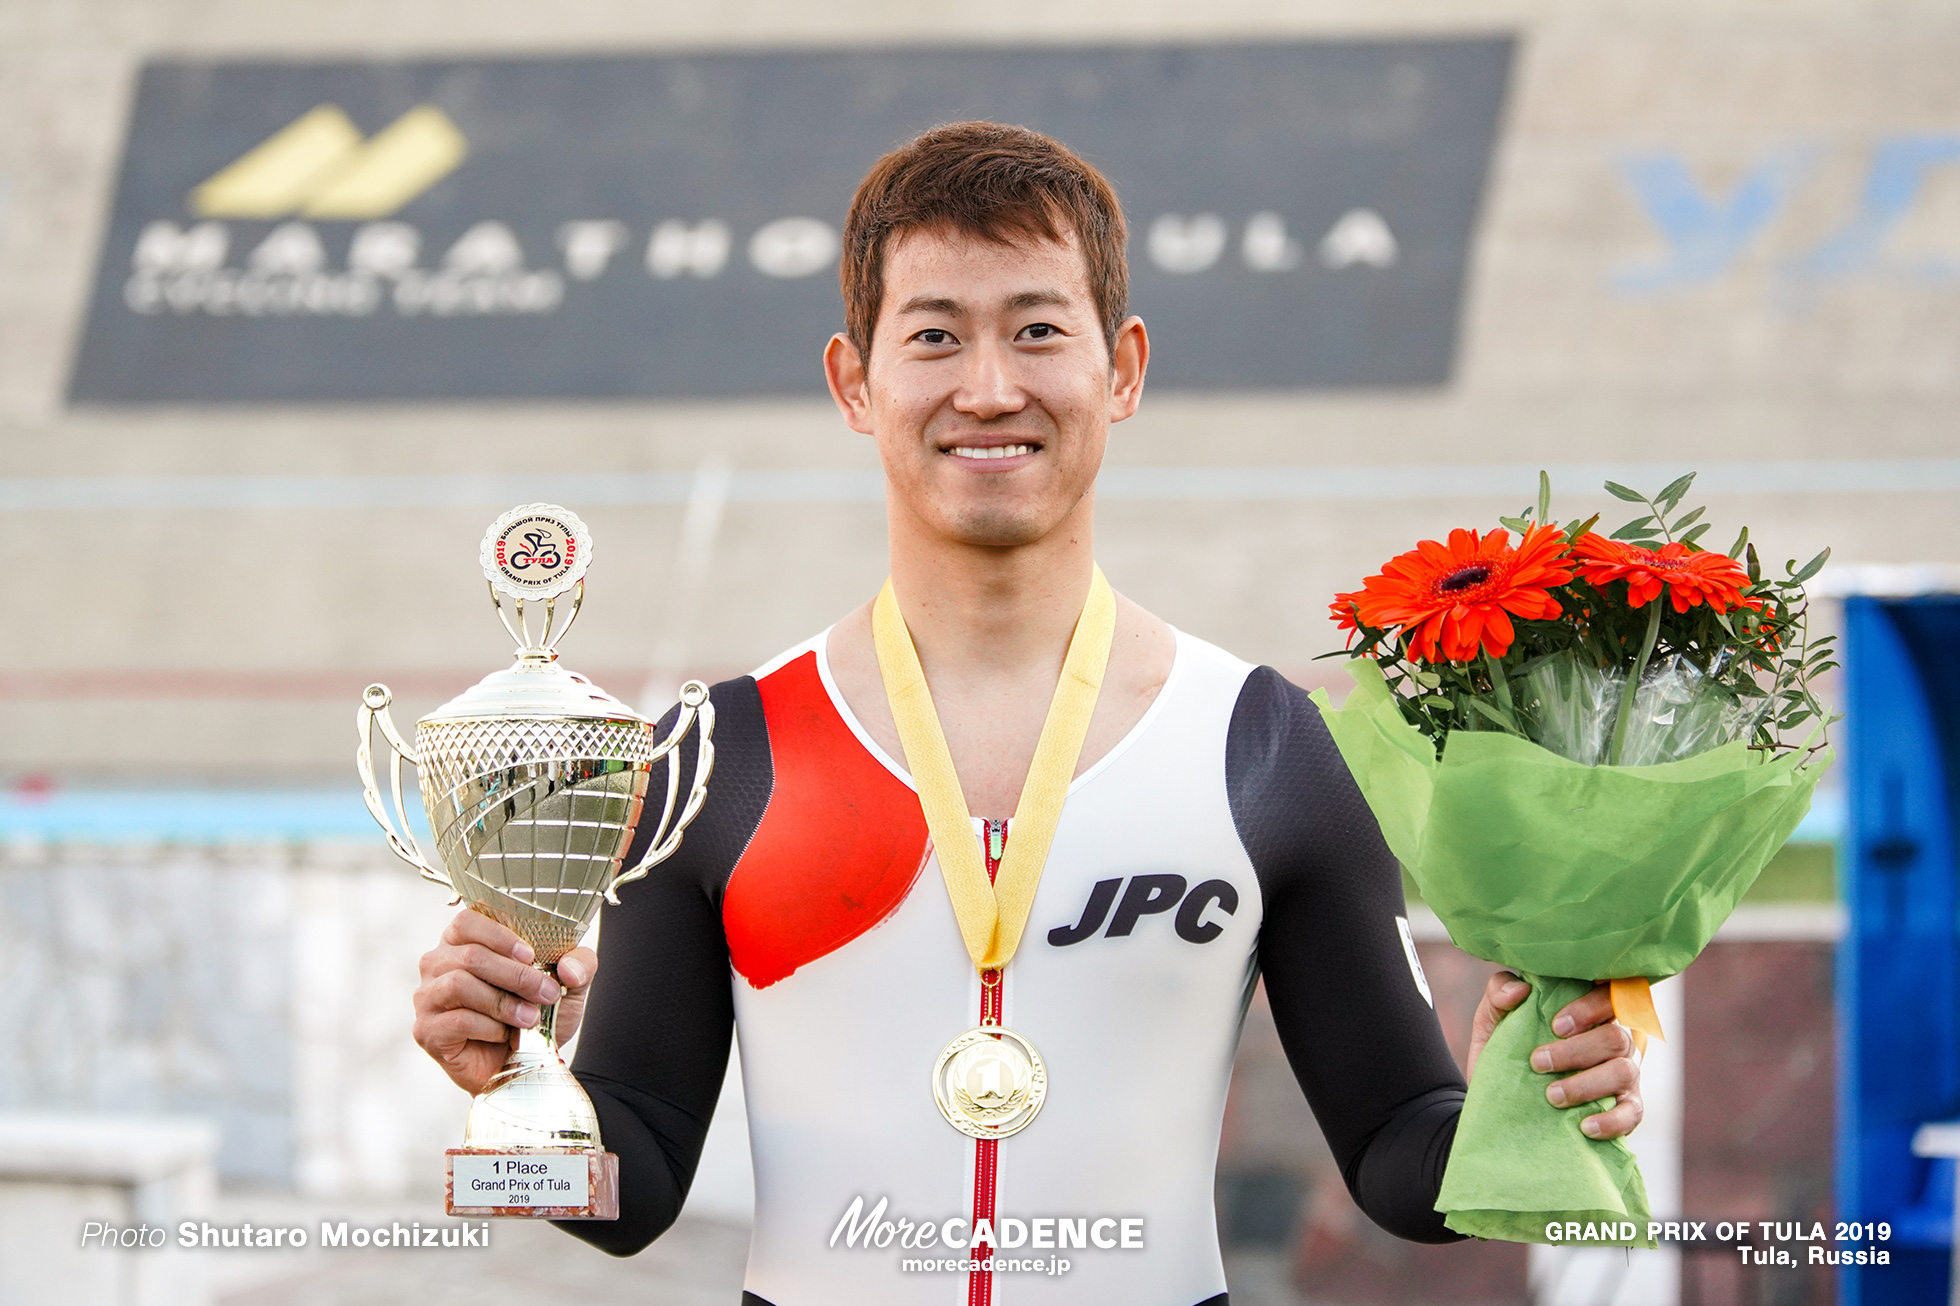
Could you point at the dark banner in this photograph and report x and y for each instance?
(1301, 214)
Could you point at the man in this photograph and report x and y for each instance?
(827, 902)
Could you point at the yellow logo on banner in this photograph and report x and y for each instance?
(320, 166)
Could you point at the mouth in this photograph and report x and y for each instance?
(991, 452)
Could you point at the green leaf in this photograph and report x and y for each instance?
(1636, 530)
(1820, 668)
(1735, 550)
(1575, 529)
(1544, 495)
(1517, 524)
(1502, 721)
(1689, 519)
(1811, 568)
(1755, 565)
(1696, 533)
(1619, 491)
(1672, 494)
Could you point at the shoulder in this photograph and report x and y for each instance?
(1203, 659)
(1283, 773)
(787, 656)
(1275, 728)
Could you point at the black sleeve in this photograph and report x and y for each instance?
(1361, 1038)
(654, 1046)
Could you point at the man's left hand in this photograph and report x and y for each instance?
(1593, 1053)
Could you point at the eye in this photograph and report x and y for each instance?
(935, 337)
(1041, 331)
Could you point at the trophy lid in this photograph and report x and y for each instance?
(533, 688)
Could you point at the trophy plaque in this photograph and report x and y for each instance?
(535, 781)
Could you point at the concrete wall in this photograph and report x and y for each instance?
(228, 644)
(264, 988)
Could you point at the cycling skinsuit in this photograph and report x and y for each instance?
(1222, 840)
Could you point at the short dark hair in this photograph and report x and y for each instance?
(988, 180)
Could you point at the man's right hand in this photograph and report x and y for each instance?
(479, 988)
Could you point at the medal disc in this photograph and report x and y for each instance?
(989, 1082)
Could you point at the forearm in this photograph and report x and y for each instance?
(658, 1144)
(1398, 1172)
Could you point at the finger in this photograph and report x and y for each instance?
(1619, 1075)
(460, 990)
(1594, 1047)
(470, 926)
(1622, 1120)
(444, 1034)
(493, 968)
(1505, 990)
(576, 969)
(1593, 1008)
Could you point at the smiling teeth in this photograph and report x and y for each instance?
(992, 451)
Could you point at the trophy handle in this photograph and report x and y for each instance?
(374, 707)
(667, 835)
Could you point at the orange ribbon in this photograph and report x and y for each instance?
(1633, 1006)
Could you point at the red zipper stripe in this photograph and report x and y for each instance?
(986, 1151)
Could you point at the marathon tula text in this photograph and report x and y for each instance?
(198, 1233)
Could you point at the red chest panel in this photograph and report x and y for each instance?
(840, 844)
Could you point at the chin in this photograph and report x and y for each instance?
(997, 530)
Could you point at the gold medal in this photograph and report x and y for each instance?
(990, 1082)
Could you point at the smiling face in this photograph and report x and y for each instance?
(991, 387)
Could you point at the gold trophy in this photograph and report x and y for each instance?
(534, 781)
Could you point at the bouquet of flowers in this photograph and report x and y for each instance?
(1583, 750)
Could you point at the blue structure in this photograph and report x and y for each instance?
(1898, 1005)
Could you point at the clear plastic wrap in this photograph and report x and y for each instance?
(1572, 707)
(1568, 706)
(1680, 711)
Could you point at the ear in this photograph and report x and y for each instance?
(843, 370)
(1128, 362)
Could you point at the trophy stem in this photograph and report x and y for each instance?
(533, 1101)
(546, 1031)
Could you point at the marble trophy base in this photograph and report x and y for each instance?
(544, 1183)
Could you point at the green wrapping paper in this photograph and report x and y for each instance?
(1571, 875)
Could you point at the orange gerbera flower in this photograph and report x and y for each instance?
(1342, 611)
(1689, 576)
(1450, 600)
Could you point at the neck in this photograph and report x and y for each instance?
(992, 609)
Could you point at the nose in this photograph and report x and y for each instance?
(989, 388)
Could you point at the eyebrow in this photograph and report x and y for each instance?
(953, 308)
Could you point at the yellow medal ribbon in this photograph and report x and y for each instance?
(992, 916)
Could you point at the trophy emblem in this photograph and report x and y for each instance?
(535, 781)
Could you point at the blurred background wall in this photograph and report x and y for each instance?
(1722, 236)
